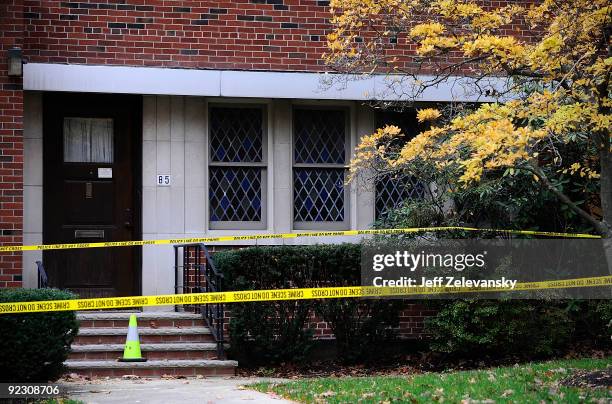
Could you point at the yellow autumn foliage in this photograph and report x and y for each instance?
(560, 52)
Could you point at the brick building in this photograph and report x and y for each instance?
(165, 119)
(134, 119)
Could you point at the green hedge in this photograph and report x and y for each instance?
(499, 327)
(592, 321)
(33, 346)
(275, 331)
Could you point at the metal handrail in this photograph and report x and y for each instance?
(193, 276)
(43, 280)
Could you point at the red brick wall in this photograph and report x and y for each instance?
(11, 146)
(240, 34)
(411, 318)
(411, 326)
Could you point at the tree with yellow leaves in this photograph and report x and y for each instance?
(551, 61)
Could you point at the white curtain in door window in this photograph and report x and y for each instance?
(88, 140)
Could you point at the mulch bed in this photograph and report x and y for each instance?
(328, 369)
(415, 363)
(589, 379)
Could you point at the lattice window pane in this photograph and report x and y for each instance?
(392, 191)
(235, 194)
(319, 136)
(236, 134)
(318, 194)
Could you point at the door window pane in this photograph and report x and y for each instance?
(88, 140)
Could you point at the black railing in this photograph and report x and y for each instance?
(195, 272)
(43, 280)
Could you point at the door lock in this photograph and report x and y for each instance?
(88, 190)
(128, 217)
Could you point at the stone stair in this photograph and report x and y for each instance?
(177, 344)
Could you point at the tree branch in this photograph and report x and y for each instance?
(599, 226)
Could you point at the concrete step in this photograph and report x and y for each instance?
(206, 350)
(147, 315)
(148, 335)
(177, 344)
(153, 368)
(121, 319)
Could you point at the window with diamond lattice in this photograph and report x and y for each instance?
(392, 191)
(320, 137)
(237, 167)
(320, 141)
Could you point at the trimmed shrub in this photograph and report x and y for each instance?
(593, 319)
(357, 324)
(499, 327)
(268, 332)
(33, 346)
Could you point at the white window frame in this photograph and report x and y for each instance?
(263, 165)
(326, 225)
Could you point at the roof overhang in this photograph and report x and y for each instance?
(235, 83)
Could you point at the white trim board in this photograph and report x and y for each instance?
(233, 83)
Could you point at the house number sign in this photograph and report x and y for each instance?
(164, 180)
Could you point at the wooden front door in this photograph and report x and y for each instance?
(90, 168)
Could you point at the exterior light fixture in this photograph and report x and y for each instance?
(15, 62)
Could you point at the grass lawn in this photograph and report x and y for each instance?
(526, 383)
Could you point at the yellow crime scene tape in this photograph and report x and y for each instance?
(282, 294)
(13, 248)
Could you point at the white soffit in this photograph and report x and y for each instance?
(231, 83)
